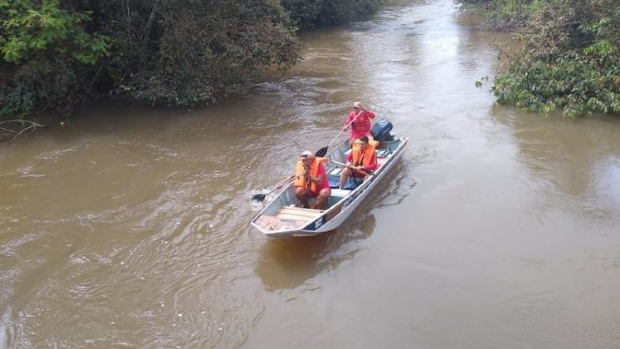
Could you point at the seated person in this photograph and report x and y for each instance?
(362, 157)
(311, 181)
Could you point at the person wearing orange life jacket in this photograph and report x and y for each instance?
(362, 157)
(310, 181)
(361, 124)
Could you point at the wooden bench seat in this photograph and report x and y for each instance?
(297, 213)
(288, 217)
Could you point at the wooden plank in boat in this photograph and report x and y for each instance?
(299, 209)
(293, 218)
(300, 213)
(276, 223)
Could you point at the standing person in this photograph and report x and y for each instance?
(361, 121)
(360, 160)
(310, 181)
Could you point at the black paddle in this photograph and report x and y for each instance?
(323, 151)
(261, 197)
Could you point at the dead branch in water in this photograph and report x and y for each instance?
(11, 129)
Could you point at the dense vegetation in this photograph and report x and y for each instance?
(308, 13)
(56, 55)
(568, 59)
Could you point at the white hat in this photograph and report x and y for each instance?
(307, 154)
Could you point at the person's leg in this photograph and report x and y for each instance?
(359, 178)
(321, 199)
(344, 176)
(302, 196)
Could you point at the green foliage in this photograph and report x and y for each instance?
(309, 13)
(213, 49)
(39, 85)
(342, 11)
(569, 59)
(31, 29)
(575, 85)
(507, 15)
(56, 54)
(304, 12)
(162, 51)
(44, 48)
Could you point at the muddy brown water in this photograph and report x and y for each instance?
(497, 229)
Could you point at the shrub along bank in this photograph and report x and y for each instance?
(569, 59)
(59, 54)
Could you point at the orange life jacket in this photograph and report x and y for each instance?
(362, 158)
(373, 142)
(301, 180)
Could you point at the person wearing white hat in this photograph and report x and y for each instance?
(358, 121)
(310, 181)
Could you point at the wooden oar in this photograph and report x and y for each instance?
(261, 197)
(367, 171)
(323, 151)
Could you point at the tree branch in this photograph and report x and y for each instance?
(17, 130)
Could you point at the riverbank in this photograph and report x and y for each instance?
(568, 60)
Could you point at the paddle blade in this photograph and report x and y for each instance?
(321, 152)
(258, 197)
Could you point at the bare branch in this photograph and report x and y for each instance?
(16, 128)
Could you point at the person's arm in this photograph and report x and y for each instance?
(369, 113)
(373, 162)
(346, 122)
(349, 158)
(320, 178)
(321, 175)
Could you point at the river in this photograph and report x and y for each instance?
(498, 229)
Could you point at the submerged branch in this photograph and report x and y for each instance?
(15, 128)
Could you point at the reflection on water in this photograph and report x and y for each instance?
(395, 187)
(289, 263)
(578, 158)
(606, 181)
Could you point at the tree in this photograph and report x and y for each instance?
(44, 47)
(204, 51)
(570, 60)
(310, 13)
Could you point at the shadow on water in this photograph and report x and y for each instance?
(289, 263)
(396, 187)
(572, 161)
